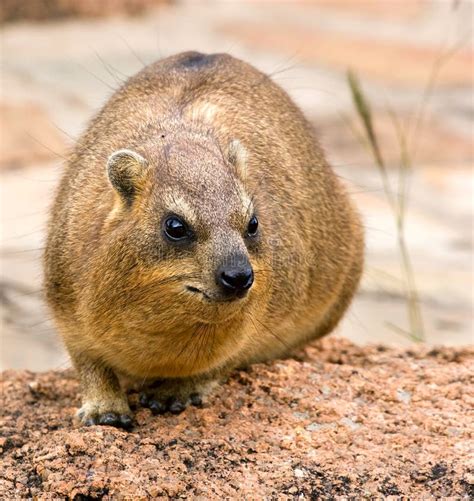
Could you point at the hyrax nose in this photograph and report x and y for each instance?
(235, 279)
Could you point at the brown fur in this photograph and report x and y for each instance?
(219, 141)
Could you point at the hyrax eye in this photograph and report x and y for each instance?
(176, 229)
(252, 227)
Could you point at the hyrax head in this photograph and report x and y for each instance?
(186, 222)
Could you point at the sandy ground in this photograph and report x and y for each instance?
(56, 74)
(337, 422)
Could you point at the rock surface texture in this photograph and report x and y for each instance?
(335, 421)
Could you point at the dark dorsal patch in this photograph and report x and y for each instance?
(196, 60)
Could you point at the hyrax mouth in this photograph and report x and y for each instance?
(190, 288)
(211, 299)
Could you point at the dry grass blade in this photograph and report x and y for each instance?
(363, 109)
(365, 114)
(397, 202)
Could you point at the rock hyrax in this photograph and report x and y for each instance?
(197, 228)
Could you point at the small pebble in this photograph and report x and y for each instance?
(404, 396)
(298, 473)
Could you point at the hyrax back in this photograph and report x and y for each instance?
(197, 227)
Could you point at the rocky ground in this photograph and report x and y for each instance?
(336, 422)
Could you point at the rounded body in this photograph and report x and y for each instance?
(125, 294)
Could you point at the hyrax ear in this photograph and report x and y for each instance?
(126, 170)
(237, 156)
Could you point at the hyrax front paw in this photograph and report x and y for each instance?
(159, 404)
(174, 395)
(108, 415)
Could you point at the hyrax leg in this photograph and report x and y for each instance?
(174, 395)
(103, 400)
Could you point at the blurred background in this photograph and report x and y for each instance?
(61, 59)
